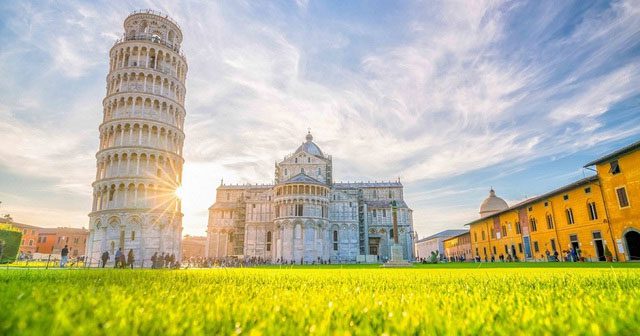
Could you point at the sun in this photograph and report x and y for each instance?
(179, 192)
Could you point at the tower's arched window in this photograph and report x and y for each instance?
(335, 240)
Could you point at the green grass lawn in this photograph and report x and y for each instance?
(508, 299)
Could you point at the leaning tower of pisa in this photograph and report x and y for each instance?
(139, 162)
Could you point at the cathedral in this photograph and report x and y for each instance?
(306, 217)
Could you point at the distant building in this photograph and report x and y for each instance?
(30, 233)
(52, 240)
(193, 246)
(458, 247)
(305, 216)
(425, 246)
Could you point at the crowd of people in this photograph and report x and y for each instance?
(122, 260)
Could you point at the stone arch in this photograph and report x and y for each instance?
(631, 240)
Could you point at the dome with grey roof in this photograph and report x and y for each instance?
(310, 147)
(492, 204)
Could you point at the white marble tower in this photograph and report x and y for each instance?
(139, 162)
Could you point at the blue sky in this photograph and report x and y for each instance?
(452, 97)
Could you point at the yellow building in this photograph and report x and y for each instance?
(619, 176)
(587, 219)
(569, 218)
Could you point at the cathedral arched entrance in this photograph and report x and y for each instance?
(632, 242)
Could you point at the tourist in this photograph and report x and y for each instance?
(130, 258)
(105, 258)
(118, 258)
(154, 260)
(547, 253)
(556, 255)
(64, 256)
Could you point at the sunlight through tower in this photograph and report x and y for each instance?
(139, 162)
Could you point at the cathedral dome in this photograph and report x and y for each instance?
(310, 147)
(492, 204)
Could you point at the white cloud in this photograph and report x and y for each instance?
(428, 99)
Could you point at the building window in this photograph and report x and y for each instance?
(506, 249)
(30, 242)
(268, 241)
(133, 235)
(546, 204)
(569, 212)
(536, 248)
(302, 170)
(565, 197)
(597, 235)
(587, 190)
(623, 201)
(593, 212)
(374, 213)
(308, 160)
(296, 160)
(335, 240)
(384, 213)
(390, 194)
(534, 225)
(286, 172)
(483, 236)
(494, 250)
(614, 167)
(475, 238)
(549, 221)
(299, 210)
(504, 231)
(520, 247)
(319, 172)
(553, 244)
(391, 233)
(530, 208)
(518, 228)
(573, 238)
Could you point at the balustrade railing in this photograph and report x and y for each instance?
(151, 38)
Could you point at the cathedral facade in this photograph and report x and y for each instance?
(306, 217)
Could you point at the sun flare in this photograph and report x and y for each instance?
(179, 192)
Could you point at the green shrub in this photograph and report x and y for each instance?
(10, 238)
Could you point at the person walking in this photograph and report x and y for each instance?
(130, 259)
(118, 257)
(64, 256)
(105, 258)
(154, 260)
